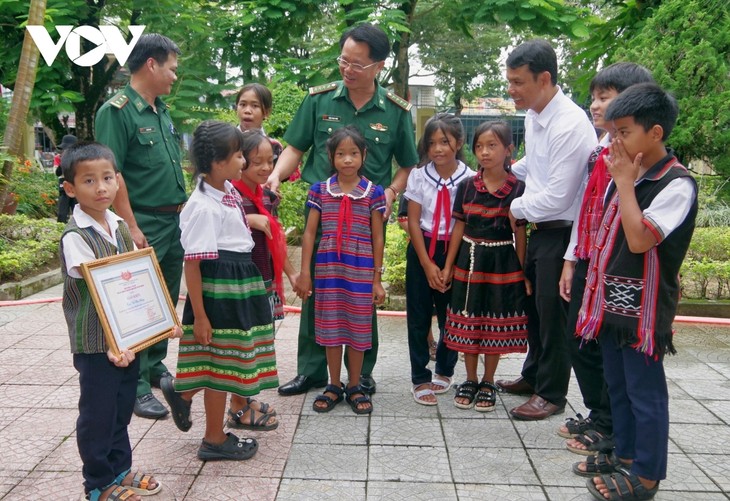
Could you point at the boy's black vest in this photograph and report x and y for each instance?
(84, 329)
(637, 294)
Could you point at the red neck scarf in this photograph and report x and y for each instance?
(443, 204)
(277, 242)
(591, 210)
(344, 217)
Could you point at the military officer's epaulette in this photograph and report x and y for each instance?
(119, 101)
(319, 89)
(399, 101)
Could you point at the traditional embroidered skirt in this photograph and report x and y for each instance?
(487, 314)
(240, 358)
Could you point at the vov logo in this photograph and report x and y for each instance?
(108, 40)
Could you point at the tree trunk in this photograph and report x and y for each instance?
(402, 67)
(22, 92)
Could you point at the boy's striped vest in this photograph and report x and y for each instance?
(637, 293)
(84, 328)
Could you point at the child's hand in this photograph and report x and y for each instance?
(176, 332)
(125, 358)
(293, 279)
(448, 273)
(259, 222)
(435, 277)
(528, 287)
(620, 165)
(303, 287)
(378, 294)
(202, 330)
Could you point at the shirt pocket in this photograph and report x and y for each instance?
(376, 137)
(149, 145)
(327, 127)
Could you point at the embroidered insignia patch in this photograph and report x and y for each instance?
(379, 127)
(119, 101)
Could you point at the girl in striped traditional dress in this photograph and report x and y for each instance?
(348, 265)
(228, 340)
(487, 310)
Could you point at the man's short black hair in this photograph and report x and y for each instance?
(84, 152)
(538, 55)
(620, 76)
(374, 37)
(648, 104)
(150, 45)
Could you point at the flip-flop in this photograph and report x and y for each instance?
(419, 394)
(443, 386)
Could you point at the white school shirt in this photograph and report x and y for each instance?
(422, 188)
(558, 141)
(75, 248)
(207, 225)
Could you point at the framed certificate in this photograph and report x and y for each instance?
(131, 298)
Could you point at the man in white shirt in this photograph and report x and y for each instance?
(558, 139)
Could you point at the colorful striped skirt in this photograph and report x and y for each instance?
(240, 358)
(487, 310)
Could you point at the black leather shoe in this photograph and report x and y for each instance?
(147, 406)
(155, 381)
(300, 384)
(367, 383)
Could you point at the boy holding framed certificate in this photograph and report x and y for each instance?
(107, 381)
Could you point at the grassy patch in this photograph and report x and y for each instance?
(27, 246)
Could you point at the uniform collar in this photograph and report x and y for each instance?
(83, 220)
(660, 169)
(378, 99)
(434, 178)
(214, 193)
(138, 101)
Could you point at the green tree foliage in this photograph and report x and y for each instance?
(686, 45)
(465, 64)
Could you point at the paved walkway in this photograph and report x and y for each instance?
(402, 451)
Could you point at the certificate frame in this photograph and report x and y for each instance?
(131, 299)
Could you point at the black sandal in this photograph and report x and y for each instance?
(576, 426)
(260, 423)
(597, 465)
(468, 390)
(487, 394)
(595, 441)
(618, 487)
(364, 398)
(178, 405)
(329, 401)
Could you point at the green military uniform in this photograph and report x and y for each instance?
(386, 123)
(146, 146)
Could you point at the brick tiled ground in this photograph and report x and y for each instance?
(402, 451)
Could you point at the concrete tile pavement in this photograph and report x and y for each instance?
(402, 451)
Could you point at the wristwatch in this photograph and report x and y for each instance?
(381, 270)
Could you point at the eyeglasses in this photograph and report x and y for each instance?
(357, 68)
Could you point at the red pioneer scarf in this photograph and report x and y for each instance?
(277, 242)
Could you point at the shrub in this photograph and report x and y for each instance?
(291, 207)
(35, 190)
(396, 243)
(27, 245)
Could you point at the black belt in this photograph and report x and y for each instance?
(174, 209)
(552, 225)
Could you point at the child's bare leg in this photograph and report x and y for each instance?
(334, 364)
(490, 367)
(215, 408)
(471, 361)
(354, 368)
